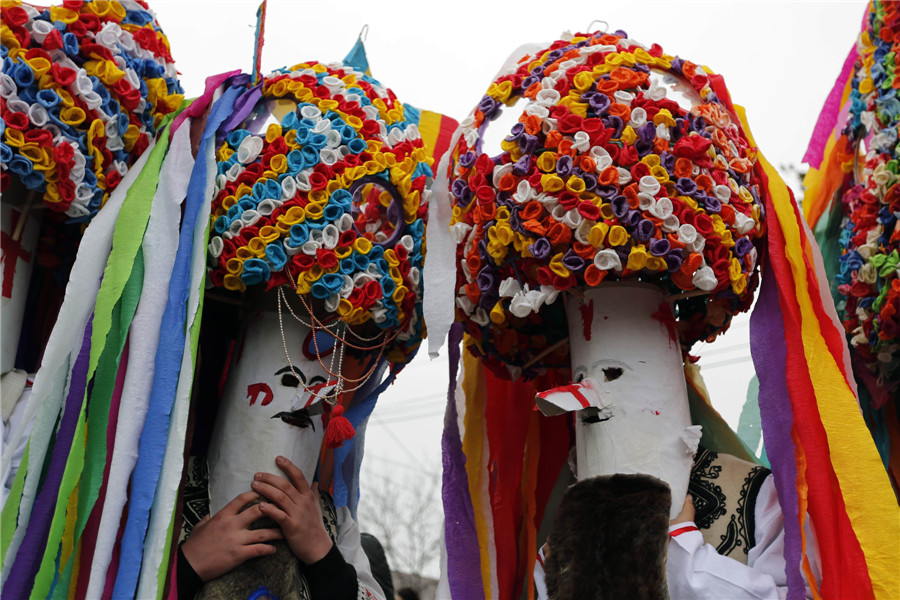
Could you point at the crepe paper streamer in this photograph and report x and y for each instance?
(117, 299)
(88, 468)
(94, 75)
(605, 176)
(828, 118)
(46, 521)
(856, 186)
(159, 530)
(440, 262)
(159, 247)
(89, 539)
(348, 456)
(62, 347)
(511, 456)
(199, 105)
(168, 362)
(460, 534)
(856, 527)
(163, 510)
(123, 273)
(259, 39)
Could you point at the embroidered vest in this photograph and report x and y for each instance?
(280, 573)
(724, 488)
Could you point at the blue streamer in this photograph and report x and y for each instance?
(168, 365)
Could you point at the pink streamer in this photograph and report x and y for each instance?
(829, 115)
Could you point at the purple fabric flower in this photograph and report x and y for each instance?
(522, 166)
(620, 207)
(660, 247)
(572, 261)
(485, 279)
(632, 219)
(540, 248)
(685, 186)
(528, 143)
(742, 246)
(467, 160)
(712, 204)
(564, 166)
(674, 261)
(644, 230)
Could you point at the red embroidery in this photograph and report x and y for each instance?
(681, 530)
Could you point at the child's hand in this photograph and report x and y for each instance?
(687, 512)
(295, 507)
(220, 544)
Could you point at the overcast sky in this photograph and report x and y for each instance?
(779, 60)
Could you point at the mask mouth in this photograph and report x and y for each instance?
(592, 414)
(298, 418)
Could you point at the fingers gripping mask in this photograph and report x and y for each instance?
(628, 390)
(271, 406)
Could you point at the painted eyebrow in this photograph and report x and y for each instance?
(294, 371)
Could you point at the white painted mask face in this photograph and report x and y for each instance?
(18, 255)
(269, 408)
(628, 387)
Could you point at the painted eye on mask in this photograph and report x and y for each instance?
(291, 378)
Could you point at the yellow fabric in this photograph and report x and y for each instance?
(866, 490)
(803, 506)
(429, 128)
(473, 447)
(69, 530)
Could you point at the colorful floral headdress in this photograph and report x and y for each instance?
(84, 88)
(869, 237)
(606, 176)
(331, 202)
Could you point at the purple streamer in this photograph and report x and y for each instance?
(767, 345)
(460, 536)
(28, 559)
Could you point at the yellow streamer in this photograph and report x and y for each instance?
(864, 485)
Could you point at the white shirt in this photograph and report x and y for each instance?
(695, 570)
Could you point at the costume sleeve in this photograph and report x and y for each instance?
(187, 580)
(695, 570)
(351, 548)
(331, 577)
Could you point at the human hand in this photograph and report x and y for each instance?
(295, 508)
(687, 512)
(218, 545)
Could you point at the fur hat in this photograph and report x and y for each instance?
(609, 540)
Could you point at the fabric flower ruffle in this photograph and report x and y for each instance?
(623, 165)
(331, 200)
(83, 90)
(868, 275)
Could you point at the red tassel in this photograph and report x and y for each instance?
(339, 428)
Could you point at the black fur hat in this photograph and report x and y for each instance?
(609, 540)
